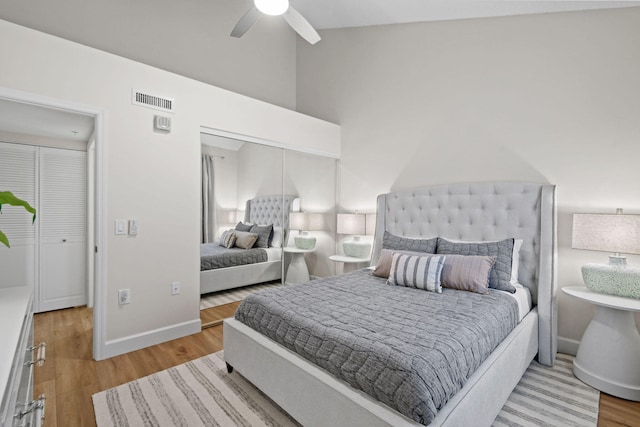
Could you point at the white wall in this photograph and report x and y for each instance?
(149, 176)
(548, 98)
(189, 37)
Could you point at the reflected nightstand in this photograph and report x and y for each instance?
(349, 260)
(297, 272)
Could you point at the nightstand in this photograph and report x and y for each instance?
(609, 353)
(349, 260)
(297, 272)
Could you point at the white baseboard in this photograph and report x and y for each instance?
(136, 342)
(568, 346)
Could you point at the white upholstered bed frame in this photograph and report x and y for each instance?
(272, 209)
(473, 212)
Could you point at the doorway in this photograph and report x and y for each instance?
(30, 119)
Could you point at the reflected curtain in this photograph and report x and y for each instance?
(208, 202)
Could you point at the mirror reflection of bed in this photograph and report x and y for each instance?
(247, 184)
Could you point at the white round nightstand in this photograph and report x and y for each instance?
(609, 354)
(297, 272)
(344, 259)
(348, 259)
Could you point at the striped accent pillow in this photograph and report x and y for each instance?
(415, 271)
(228, 239)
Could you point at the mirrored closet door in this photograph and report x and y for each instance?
(268, 187)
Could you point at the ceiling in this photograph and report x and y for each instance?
(322, 14)
(17, 117)
(327, 14)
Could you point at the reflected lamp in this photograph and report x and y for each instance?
(305, 222)
(614, 233)
(354, 224)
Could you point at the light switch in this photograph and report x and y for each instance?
(120, 226)
(133, 227)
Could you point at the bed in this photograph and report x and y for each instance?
(460, 212)
(221, 269)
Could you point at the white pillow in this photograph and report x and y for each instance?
(276, 239)
(515, 260)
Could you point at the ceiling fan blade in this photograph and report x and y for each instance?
(246, 22)
(301, 26)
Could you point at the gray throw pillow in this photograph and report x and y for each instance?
(228, 239)
(264, 233)
(243, 227)
(391, 241)
(502, 251)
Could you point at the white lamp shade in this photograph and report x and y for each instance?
(272, 7)
(370, 221)
(227, 216)
(306, 221)
(607, 233)
(351, 224)
(315, 222)
(297, 221)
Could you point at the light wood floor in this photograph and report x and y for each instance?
(70, 376)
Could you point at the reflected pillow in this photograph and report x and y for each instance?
(277, 237)
(228, 238)
(245, 240)
(264, 233)
(417, 271)
(243, 227)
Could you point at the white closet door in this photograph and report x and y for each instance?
(18, 175)
(63, 229)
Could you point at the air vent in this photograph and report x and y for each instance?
(152, 101)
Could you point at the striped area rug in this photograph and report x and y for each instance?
(197, 393)
(550, 397)
(215, 299)
(201, 393)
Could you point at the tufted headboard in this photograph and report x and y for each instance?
(486, 211)
(271, 209)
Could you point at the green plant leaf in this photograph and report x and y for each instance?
(7, 198)
(3, 239)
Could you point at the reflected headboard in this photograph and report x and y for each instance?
(269, 209)
(486, 211)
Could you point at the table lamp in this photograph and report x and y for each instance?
(619, 234)
(305, 222)
(354, 224)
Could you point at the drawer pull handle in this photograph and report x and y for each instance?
(40, 355)
(31, 407)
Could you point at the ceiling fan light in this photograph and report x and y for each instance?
(272, 7)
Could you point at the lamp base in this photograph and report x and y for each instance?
(304, 241)
(612, 280)
(356, 248)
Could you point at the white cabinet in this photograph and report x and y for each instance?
(18, 357)
(18, 174)
(51, 255)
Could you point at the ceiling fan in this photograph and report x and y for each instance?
(276, 8)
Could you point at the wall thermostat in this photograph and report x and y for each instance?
(162, 123)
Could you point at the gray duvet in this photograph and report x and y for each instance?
(408, 348)
(213, 256)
